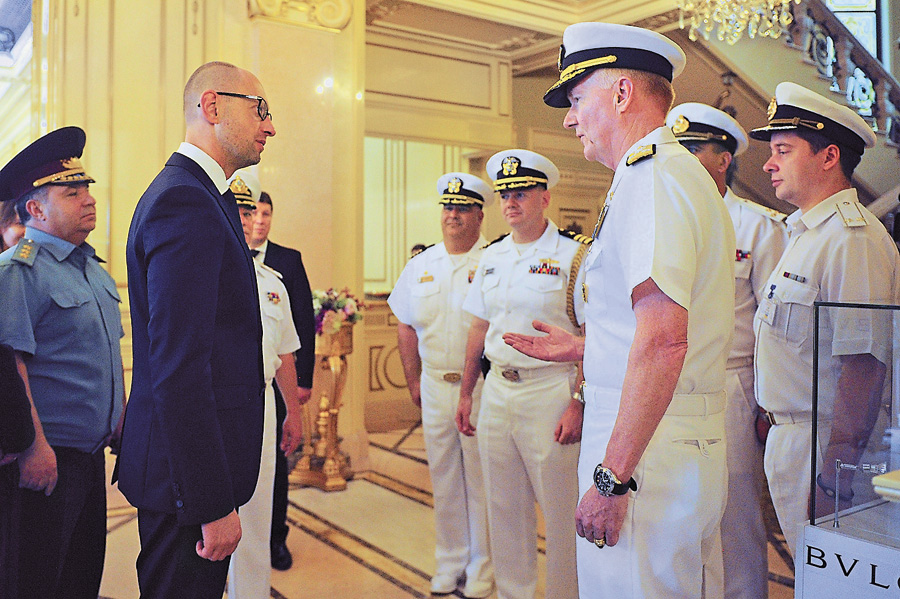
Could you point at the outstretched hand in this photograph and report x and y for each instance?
(556, 346)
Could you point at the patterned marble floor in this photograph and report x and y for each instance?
(373, 540)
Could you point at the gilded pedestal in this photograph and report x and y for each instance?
(322, 463)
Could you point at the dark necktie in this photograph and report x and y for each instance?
(254, 253)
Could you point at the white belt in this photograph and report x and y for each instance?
(682, 404)
(449, 376)
(739, 362)
(696, 404)
(514, 375)
(788, 417)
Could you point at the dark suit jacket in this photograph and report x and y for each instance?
(193, 428)
(16, 427)
(288, 262)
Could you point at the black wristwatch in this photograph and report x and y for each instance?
(608, 484)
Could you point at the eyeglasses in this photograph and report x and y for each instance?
(262, 108)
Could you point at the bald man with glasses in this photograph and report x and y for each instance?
(193, 433)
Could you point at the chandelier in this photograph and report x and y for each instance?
(732, 18)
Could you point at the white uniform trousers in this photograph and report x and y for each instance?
(250, 570)
(459, 507)
(522, 463)
(788, 448)
(670, 536)
(744, 548)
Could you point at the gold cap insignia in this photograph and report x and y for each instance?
(239, 188)
(770, 111)
(562, 54)
(681, 125)
(71, 163)
(454, 185)
(510, 165)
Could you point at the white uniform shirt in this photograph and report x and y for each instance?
(761, 236)
(429, 296)
(510, 291)
(824, 261)
(279, 335)
(665, 221)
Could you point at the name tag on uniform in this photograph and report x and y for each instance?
(426, 279)
(471, 275)
(767, 311)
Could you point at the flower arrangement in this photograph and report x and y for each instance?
(334, 308)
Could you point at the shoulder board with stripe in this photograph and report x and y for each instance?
(764, 210)
(26, 252)
(501, 238)
(270, 269)
(417, 252)
(576, 236)
(642, 153)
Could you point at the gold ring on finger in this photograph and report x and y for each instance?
(601, 542)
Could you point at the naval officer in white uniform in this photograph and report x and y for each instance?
(716, 139)
(838, 252)
(659, 316)
(249, 572)
(529, 424)
(427, 300)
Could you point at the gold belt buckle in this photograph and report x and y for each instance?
(511, 375)
(452, 377)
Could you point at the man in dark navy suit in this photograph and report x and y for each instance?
(193, 430)
(288, 262)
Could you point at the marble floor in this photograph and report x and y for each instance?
(375, 539)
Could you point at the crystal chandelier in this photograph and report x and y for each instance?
(731, 18)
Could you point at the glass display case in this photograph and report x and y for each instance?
(851, 543)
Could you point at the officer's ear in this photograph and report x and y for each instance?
(725, 159)
(34, 205)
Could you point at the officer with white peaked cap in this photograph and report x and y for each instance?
(427, 300)
(659, 317)
(715, 138)
(249, 571)
(838, 252)
(529, 424)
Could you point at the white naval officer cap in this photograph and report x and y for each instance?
(693, 121)
(463, 189)
(796, 108)
(246, 188)
(589, 46)
(521, 169)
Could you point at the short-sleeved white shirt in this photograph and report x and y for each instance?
(279, 334)
(512, 290)
(429, 296)
(761, 237)
(665, 221)
(830, 262)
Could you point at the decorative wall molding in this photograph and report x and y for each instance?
(382, 9)
(331, 15)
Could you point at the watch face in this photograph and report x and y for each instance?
(605, 480)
